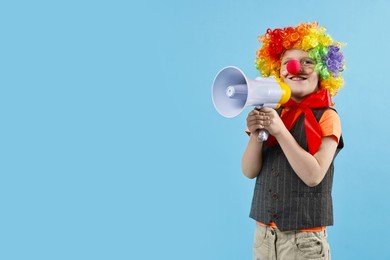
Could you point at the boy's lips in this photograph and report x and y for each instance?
(296, 78)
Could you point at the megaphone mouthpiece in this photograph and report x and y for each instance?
(237, 91)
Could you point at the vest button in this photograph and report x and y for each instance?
(275, 216)
(275, 196)
(275, 173)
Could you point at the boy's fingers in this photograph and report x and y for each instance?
(254, 112)
(266, 109)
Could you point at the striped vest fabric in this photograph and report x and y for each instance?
(282, 197)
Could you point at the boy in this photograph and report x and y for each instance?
(292, 202)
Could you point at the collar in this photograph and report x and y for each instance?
(319, 99)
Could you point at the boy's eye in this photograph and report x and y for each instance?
(303, 62)
(308, 62)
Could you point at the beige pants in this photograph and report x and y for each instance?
(273, 244)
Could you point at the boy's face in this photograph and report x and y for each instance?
(306, 81)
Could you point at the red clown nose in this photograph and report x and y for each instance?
(293, 67)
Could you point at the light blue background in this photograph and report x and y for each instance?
(111, 147)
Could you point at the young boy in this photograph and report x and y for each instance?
(292, 202)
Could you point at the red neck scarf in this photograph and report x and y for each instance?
(319, 99)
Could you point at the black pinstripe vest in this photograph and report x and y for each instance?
(281, 196)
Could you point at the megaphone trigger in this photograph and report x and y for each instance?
(263, 136)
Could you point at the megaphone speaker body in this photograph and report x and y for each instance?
(232, 92)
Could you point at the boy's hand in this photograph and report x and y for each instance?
(255, 121)
(271, 121)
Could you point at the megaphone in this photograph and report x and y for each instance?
(232, 92)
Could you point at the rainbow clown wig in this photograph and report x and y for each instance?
(308, 37)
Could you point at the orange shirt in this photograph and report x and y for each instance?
(330, 126)
(273, 225)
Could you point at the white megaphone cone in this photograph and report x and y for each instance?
(232, 92)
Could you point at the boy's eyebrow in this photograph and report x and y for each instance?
(291, 58)
(286, 58)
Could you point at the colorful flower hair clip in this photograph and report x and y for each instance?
(330, 61)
